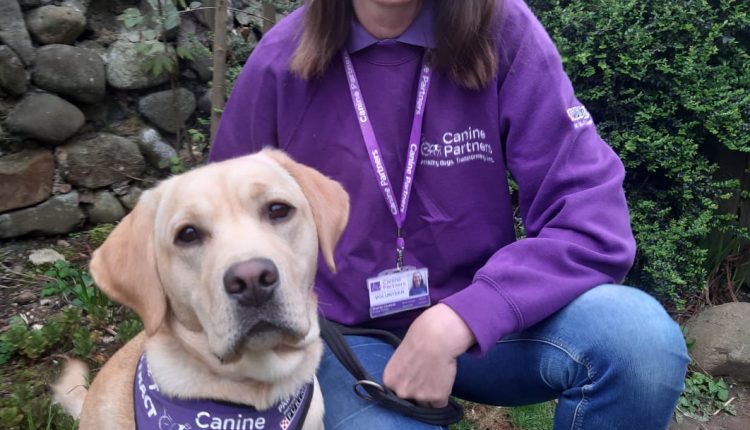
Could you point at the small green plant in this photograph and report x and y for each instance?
(99, 234)
(11, 416)
(163, 16)
(83, 342)
(76, 285)
(34, 342)
(6, 351)
(198, 140)
(127, 329)
(25, 340)
(27, 408)
(703, 397)
(175, 165)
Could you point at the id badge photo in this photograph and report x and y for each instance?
(395, 291)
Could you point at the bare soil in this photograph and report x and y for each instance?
(722, 421)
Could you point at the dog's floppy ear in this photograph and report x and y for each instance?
(124, 267)
(328, 200)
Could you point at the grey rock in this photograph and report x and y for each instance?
(13, 31)
(12, 73)
(168, 109)
(722, 340)
(45, 256)
(106, 209)
(79, 5)
(126, 67)
(28, 4)
(55, 24)
(102, 21)
(100, 160)
(188, 75)
(45, 117)
(58, 215)
(204, 102)
(249, 13)
(75, 72)
(109, 112)
(131, 198)
(25, 297)
(25, 178)
(154, 148)
(95, 46)
(193, 38)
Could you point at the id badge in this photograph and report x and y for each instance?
(395, 291)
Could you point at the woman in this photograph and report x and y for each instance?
(417, 285)
(420, 108)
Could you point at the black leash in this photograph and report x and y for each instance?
(333, 334)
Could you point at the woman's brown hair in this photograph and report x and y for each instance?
(464, 39)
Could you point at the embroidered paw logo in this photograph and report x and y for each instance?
(430, 149)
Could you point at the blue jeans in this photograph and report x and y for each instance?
(613, 358)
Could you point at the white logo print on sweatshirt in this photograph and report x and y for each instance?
(456, 147)
(580, 116)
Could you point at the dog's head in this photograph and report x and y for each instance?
(227, 254)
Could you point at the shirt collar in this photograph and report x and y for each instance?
(419, 32)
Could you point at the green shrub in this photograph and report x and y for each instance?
(667, 82)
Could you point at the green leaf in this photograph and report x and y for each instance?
(723, 395)
(185, 53)
(172, 16)
(149, 35)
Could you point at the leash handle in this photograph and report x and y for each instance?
(368, 389)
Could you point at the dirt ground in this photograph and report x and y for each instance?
(722, 421)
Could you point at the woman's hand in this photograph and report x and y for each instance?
(423, 367)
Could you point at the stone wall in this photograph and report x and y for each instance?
(83, 126)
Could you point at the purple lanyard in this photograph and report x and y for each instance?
(373, 149)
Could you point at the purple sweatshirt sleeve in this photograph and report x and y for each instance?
(573, 206)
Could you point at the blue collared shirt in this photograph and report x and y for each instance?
(419, 32)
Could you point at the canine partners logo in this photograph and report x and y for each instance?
(456, 148)
(579, 116)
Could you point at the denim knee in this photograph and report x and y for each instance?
(634, 341)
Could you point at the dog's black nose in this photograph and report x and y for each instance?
(252, 282)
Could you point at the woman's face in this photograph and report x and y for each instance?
(416, 279)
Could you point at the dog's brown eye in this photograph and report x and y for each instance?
(278, 211)
(187, 236)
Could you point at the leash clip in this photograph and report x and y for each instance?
(363, 394)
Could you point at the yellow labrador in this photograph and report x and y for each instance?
(219, 264)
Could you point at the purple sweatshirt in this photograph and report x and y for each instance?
(460, 219)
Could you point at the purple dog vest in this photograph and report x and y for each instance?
(154, 411)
